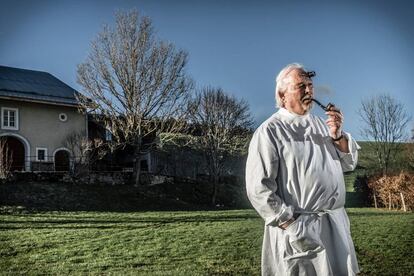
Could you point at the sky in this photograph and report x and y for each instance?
(358, 49)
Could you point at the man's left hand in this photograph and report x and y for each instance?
(335, 121)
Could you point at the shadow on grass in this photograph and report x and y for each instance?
(378, 213)
(203, 218)
(77, 227)
(122, 223)
(354, 200)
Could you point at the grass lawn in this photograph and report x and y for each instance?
(178, 243)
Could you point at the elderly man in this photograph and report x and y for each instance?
(294, 180)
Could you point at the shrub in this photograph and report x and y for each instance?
(363, 191)
(393, 191)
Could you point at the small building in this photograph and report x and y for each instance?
(121, 159)
(38, 113)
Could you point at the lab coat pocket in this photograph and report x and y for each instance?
(302, 239)
(292, 224)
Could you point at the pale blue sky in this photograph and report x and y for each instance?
(357, 48)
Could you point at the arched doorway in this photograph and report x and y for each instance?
(62, 160)
(13, 153)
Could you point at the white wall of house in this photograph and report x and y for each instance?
(43, 126)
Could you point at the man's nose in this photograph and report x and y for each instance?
(308, 89)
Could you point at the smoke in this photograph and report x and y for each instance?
(323, 90)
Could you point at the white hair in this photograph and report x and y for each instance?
(281, 84)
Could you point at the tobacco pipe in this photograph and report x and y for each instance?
(324, 107)
(311, 74)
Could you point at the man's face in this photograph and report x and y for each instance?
(299, 92)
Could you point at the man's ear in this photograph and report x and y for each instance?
(282, 97)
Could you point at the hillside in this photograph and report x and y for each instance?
(367, 159)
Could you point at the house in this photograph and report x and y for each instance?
(38, 113)
(120, 159)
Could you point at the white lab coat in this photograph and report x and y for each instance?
(293, 167)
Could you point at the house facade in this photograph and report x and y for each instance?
(38, 113)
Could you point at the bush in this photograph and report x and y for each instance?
(363, 191)
(393, 191)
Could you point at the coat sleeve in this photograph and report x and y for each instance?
(261, 172)
(349, 160)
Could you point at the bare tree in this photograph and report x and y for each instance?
(6, 159)
(84, 152)
(409, 154)
(412, 135)
(135, 83)
(223, 127)
(409, 151)
(385, 124)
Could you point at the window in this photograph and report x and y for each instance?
(63, 117)
(41, 154)
(9, 118)
(144, 165)
(108, 135)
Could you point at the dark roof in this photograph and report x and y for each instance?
(35, 86)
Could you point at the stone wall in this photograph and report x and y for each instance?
(94, 178)
(182, 162)
(42, 166)
(115, 191)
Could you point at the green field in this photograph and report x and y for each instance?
(117, 237)
(178, 243)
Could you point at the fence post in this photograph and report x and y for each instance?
(375, 199)
(389, 199)
(403, 202)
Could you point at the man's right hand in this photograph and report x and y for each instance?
(287, 223)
